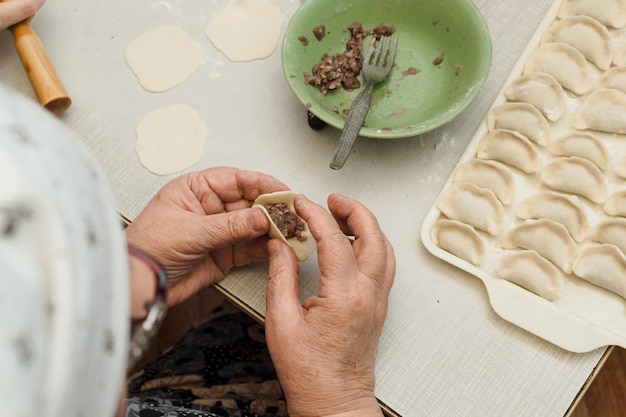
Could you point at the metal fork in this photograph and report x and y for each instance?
(376, 66)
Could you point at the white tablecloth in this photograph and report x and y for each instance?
(443, 352)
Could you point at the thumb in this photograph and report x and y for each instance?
(225, 229)
(283, 308)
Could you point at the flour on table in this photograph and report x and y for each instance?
(163, 58)
(246, 32)
(171, 139)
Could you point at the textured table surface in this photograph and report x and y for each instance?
(443, 352)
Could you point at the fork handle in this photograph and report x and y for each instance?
(356, 116)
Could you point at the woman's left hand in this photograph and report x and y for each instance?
(200, 225)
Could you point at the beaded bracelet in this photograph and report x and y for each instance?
(149, 327)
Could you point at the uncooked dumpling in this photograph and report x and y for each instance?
(531, 271)
(246, 32)
(563, 62)
(558, 207)
(608, 12)
(510, 147)
(459, 239)
(614, 78)
(616, 204)
(488, 174)
(603, 110)
(300, 238)
(541, 90)
(587, 35)
(473, 205)
(163, 58)
(171, 139)
(603, 265)
(547, 237)
(611, 231)
(620, 167)
(619, 53)
(584, 145)
(523, 118)
(577, 176)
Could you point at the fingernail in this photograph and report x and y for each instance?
(301, 200)
(273, 247)
(259, 221)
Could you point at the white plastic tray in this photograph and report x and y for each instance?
(584, 317)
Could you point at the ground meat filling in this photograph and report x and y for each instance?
(319, 32)
(287, 221)
(342, 69)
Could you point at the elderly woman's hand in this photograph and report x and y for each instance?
(13, 11)
(324, 350)
(200, 225)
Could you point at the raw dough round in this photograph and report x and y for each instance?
(247, 32)
(170, 139)
(163, 58)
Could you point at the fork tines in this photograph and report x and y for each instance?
(380, 49)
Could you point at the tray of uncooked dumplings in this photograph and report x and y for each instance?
(536, 206)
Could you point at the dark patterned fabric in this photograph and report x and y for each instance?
(220, 369)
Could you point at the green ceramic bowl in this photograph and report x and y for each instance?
(418, 95)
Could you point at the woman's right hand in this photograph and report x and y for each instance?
(324, 349)
(201, 225)
(13, 11)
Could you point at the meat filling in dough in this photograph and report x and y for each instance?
(287, 221)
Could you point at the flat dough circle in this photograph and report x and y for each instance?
(163, 58)
(170, 139)
(247, 32)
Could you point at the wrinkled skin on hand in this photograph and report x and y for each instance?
(324, 349)
(13, 11)
(200, 225)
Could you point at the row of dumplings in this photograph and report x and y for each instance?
(578, 168)
(573, 52)
(609, 12)
(544, 249)
(604, 109)
(551, 237)
(552, 223)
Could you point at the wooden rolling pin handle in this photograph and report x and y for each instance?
(42, 75)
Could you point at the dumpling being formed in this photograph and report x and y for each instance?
(614, 78)
(520, 117)
(488, 174)
(611, 231)
(577, 176)
(616, 204)
(608, 12)
(541, 90)
(587, 35)
(603, 110)
(564, 62)
(510, 147)
(547, 237)
(531, 271)
(473, 205)
(603, 265)
(584, 145)
(459, 239)
(558, 207)
(285, 224)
